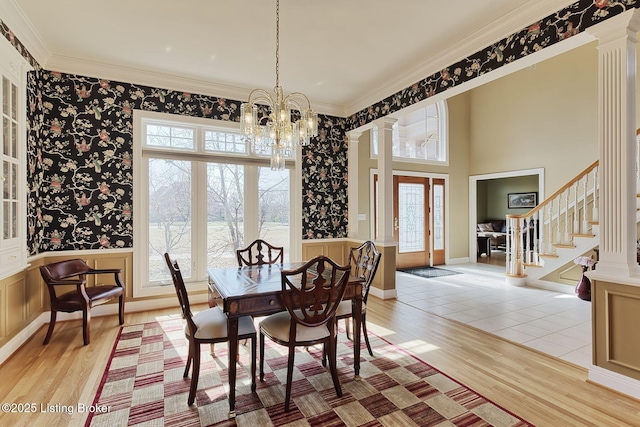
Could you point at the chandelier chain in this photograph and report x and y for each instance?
(277, 43)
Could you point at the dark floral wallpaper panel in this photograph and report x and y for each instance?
(80, 160)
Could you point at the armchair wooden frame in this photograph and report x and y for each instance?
(207, 327)
(74, 272)
(311, 295)
(364, 261)
(260, 252)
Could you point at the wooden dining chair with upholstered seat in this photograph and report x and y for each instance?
(74, 272)
(207, 327)
(260, 252)
(311, 295)
(364, 262)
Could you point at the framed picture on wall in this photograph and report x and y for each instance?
(522, 200)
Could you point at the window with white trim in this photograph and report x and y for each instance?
(200, 194)
(419, 136)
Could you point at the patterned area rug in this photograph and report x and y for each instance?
(428, 272)
(143, 385)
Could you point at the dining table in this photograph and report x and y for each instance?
(257, 291)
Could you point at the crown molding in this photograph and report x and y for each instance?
(65, 64)
(16, 20)
(514, 21)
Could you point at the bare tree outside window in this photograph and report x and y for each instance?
(169, 215)
(225, 213)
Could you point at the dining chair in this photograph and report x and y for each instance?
(260, 252)
(74, 272)
(364, 261)
(207, 327)
(311, 295)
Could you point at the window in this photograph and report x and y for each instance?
(418, 136)
(200, 195)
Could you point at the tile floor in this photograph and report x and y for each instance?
(554, 323)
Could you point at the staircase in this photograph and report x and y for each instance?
(554, 233)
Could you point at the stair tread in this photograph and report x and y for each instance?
(583, 235)
(559, 245)
(533, 265)
(548, 255)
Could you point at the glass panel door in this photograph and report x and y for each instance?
(225, 213)
(411, 219)
(273, 208)
(169, 217)
(411, 226)
(9, 161)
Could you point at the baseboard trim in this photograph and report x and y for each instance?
(614, 381)
(7, 350)
(550, 286)
(23, 336)
(383, 294)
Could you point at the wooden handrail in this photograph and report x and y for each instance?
(557, 193)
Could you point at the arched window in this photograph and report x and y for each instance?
(419, 136)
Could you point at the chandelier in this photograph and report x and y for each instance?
(276, 132)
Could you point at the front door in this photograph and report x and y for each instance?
(411, 220)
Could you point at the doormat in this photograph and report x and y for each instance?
(429, 272)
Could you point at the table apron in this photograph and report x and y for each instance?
(261, 305)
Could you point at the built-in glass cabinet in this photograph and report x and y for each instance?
(13, 69)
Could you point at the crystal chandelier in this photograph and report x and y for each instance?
(277, 132)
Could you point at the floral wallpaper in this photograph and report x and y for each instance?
(554, 28)
(80, 138)
(80, 160)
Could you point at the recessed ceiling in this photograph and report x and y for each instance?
(340, 53)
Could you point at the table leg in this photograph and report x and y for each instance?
(232, 334)
(357, 320)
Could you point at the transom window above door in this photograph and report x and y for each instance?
(419, 136)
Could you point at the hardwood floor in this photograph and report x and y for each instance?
(543, 390)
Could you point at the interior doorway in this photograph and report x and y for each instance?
(488, 203)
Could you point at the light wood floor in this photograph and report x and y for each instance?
(543, 390)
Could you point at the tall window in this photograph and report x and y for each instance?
(418, 136)
(200, 195)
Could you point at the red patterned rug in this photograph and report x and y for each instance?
(143, 384)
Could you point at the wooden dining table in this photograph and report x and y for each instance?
(257, 291)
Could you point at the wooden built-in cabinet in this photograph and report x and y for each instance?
(13, 92)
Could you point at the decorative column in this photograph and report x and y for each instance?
(385, 181)
(617, 142)
(352, 190)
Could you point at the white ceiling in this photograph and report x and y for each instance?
(343, 54)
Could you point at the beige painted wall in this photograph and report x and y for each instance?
(540, 117)
(457, 171)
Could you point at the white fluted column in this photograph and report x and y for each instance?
(617, 142)
(352, 190)
(385, 181)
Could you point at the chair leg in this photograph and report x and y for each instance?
(52, 323)
(195, 374)
(287, 398)
(213, 349)
(366, 335)
(86, 325)
(261, 356)
(253, 364)
(121, 309)
(189, 357)
(333, 366)
(348, 324)
(324, 355)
